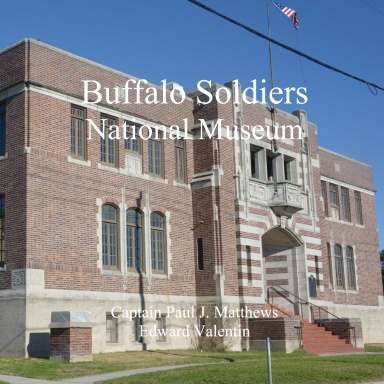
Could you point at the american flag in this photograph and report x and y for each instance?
(290, 13)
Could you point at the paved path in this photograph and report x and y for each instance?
(91, 379)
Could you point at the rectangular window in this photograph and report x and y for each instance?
(134, 236)
(271, 166)
(109, 237)
(2, 128)
(359, 211)
(255, 163)
(333, 195)
(155, 158)
(324, 196)
(108, 146)
(112, 330)
(137, 324)
(334, 201)
(180, 160)
(339, 266)
(288, 168)
(200, 257)
(161, 328)
(345, 211)
(158, 259)
(350, 268)
(249, 263)
(78, 132)
(2, 228)
(133, 142)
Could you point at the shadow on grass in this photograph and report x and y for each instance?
(194, 356)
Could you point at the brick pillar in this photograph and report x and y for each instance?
(284, 334)
(71, 336)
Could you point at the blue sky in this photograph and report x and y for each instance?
(177, 41)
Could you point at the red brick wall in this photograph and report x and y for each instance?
(71, 341)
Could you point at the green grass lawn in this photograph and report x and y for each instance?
(294, 370)
(110, 362)
(242, 367)
(374, 347)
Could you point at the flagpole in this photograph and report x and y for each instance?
(273, 109)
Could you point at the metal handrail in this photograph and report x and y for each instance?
(301, 301)
(280, 310)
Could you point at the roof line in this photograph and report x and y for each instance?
(345, 157)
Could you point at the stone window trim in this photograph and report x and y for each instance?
(158, 243)
(266, 165)
(348, 286)
(122, 269)
(110, 236)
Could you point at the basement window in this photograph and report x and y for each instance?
(112, 329)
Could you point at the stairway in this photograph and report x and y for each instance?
(316, 339)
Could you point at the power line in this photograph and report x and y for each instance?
(370, 5)
(288, 48)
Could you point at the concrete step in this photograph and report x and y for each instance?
(316, 339)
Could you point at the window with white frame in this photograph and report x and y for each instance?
(110, 246)
(158, 259)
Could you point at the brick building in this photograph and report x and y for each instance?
(163, 225)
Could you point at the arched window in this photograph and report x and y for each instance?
(134, 233)
(339, 266)
(350, 268)
(157, 242)
(109, 236)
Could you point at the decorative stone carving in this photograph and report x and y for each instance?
(134, 164)
(258, 191)
(293, 195)
(18, 278)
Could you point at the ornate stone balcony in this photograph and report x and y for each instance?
(284, 201)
